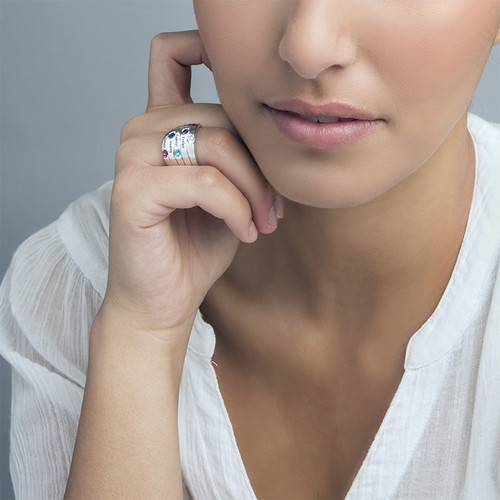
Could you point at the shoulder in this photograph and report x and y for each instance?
(80, 236)
(84, 231)
(486, 136)
(54, 288)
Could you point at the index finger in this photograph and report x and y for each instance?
(170, 60)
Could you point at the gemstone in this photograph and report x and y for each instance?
(178, 153)
(171, 135)
(185, 131)
(165, 153)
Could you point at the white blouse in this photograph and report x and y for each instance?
(440, 438)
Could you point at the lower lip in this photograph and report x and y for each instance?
(321, 135)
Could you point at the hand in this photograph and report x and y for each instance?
(174, 230)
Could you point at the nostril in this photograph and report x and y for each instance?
(309, 59)
(298, 62)
(317, 38)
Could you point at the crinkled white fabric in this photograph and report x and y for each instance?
(440, 438)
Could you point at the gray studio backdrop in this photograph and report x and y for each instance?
(72, 73)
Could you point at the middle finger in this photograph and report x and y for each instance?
(219, 148)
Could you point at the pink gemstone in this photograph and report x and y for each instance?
(165, 153)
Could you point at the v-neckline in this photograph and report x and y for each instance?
(369, 457)
(420, 353)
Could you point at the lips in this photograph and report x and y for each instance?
(323, 126)
(321, 118)
(326, 109)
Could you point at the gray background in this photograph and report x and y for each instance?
(71, 74)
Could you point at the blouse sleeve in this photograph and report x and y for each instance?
(47, 305)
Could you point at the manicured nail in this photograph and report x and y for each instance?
(252, 231)
(279, 206)
(272, 219)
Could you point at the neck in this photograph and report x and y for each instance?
(397, 248)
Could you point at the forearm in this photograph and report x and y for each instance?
(127, 441)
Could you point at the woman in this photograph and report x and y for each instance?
(357, 338)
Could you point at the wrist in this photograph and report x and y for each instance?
(121, 333)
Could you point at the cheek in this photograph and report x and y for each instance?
(233, 31)
(437, 61)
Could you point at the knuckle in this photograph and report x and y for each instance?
(208, 177)
(126, 151)
(131, 127)
(160, 41)
(221, 140)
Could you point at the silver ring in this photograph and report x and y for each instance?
(178, 145)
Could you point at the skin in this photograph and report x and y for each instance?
(372, 244)
(400, 60)
(367, 221)
(312, 319)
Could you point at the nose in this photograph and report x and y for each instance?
(318, 36)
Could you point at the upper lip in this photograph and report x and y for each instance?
(335, 109)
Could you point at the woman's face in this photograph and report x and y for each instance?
(411, 65)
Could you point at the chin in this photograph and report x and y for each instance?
(329, 195)
(320, 184)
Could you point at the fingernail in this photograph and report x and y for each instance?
(252, 231)
(279, 206)
(272, 219)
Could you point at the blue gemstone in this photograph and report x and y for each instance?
(178, 153)
(171, 135)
